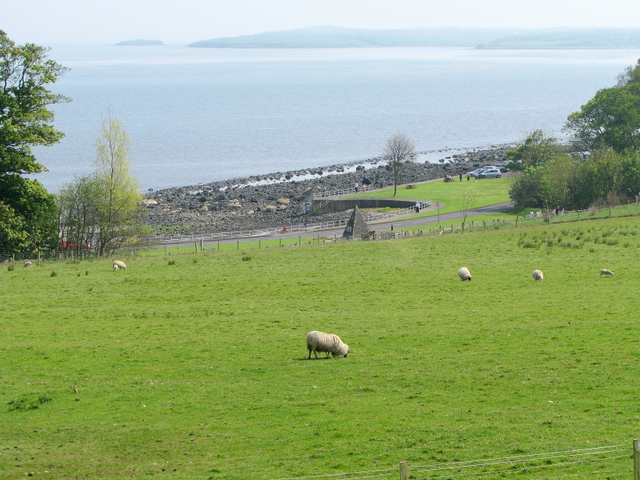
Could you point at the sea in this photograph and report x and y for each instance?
(199, 115)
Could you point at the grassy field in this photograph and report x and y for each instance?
(450, 195)
(195, 366)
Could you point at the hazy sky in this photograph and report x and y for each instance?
(185, 21)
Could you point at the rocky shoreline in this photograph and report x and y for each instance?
(278, 199)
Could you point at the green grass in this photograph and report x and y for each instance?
(484, 192)
(199, 369)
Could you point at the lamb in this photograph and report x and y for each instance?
(605, 272)
(326, 342)
(119, 264)
(538, 275)
(27, 264)
(115, 267)
(464, 274)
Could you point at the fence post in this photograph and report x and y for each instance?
(636, 460)
(404, 471)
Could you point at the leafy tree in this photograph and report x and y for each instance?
(102, 210)
(630, 75)
(398, 151)
(534, 151)
(78, 222)
(611, 119)
(28, 209)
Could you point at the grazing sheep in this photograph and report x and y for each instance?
(27, 264)
(119, 264)
(538, 275)
(605, 272)
(464, 274)
(326, 342)
(115, 267)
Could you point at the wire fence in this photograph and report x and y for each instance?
(612, 460)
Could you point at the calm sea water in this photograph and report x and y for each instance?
(202, 115)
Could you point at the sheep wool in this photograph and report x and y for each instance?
(119, 264)
(326, 342)
(464, 274)
(538, 275)
(115, 267)
(605, 272)
(27, 264)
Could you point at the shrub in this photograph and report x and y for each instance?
(171, 262)
(11, 267)
(54, 274)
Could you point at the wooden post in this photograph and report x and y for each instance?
(636, 460)
(259, 244)
(280, 242)
(404, 471)
(196, 245)
(238, 244)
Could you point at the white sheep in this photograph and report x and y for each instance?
(464, 274)
(119, 264)
(538, 275)
(27, 264)
(605, 272)
(115, 267)
(326, 342)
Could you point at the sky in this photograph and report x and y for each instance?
(50, 22)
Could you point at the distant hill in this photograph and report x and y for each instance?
(486, 38)
(340, 37)
(139, 43)
(570, 38)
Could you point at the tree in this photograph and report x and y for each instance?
(78, 223)
(611, 119)
(28, 209)
(537, 149)
(468, 202)
(102, 210)
(630, 75)
(398, 151)
(119, 213)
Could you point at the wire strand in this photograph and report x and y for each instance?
(459, 466)
(512, 470)
(520, 456)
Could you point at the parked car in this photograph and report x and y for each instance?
(490, 173)
(475, 173)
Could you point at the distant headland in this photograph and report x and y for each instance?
(139, 43)
(481, 38)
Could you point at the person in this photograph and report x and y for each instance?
(637, 199)
(417, 207)
(324, 191)
(356, 187)
(531, 214)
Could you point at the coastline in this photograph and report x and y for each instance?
(279, 198)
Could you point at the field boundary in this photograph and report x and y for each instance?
(603, 458)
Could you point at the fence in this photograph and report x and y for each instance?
(610, 460)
